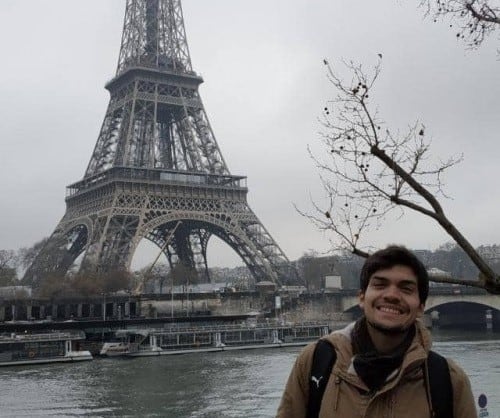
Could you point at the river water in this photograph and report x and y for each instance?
(223, 384)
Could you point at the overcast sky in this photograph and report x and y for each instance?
(265, 86)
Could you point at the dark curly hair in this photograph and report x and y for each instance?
(391, 256)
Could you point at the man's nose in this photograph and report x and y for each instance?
(392, 292)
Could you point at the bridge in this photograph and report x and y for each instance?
(447, 306)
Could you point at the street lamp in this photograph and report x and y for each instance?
(104, 307)
(172, 302)
(103, 315)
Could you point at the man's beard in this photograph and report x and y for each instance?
(388, 330)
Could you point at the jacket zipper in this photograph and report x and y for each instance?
(336, 391)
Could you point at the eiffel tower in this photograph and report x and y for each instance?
(156, 162)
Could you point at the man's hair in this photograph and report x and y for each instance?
(391, 256)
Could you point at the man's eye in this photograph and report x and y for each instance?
(378, 284)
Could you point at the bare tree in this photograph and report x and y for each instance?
(473, 20)
(8, 266)
(28, 254)
(370, 171)
(149, 277)
(182, 274)
(115, 280)
(83, 285)
(54, 286)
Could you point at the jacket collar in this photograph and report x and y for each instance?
(414, 358)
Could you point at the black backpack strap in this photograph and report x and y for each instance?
(323, 360)
(440, 386)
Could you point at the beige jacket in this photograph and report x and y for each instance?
(403, 395)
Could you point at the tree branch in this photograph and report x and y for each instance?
(474, 20)
(368, 172)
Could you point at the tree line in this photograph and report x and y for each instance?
(449, 258)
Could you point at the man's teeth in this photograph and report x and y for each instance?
(389, 310)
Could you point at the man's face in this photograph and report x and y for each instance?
(391, 301)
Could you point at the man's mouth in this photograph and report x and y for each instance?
(390, 310)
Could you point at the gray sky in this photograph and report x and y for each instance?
(265, 86)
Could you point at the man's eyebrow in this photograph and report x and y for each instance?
(408, 282)
(379, 278)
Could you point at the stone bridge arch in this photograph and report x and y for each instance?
(464, 311)
(488, 300)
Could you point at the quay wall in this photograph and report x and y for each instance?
(314, 307)
(296, 308)
(450, 310)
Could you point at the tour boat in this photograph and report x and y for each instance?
(50, 347)
(179, 340)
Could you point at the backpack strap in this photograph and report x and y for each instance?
(440, 386)
(324, 358)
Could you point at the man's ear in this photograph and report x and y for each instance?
(421, 310)
(361, 298)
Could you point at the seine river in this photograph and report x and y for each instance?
(224, 384)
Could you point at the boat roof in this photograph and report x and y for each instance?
(47, 336)
(125, 332)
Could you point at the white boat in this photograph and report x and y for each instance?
(112, 349)
(50, 347)
(174, 340)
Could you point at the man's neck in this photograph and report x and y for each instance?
(385, 342)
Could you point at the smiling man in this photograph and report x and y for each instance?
(382, 366)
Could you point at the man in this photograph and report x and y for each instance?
(380, 366)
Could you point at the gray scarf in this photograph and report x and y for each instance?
(371, 366)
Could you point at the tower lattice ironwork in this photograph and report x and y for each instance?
(156, 162)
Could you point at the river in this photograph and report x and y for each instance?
(223, 384)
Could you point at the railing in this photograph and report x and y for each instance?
(136, 64)
(233, 327)
(448, 290)
(157, 175)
